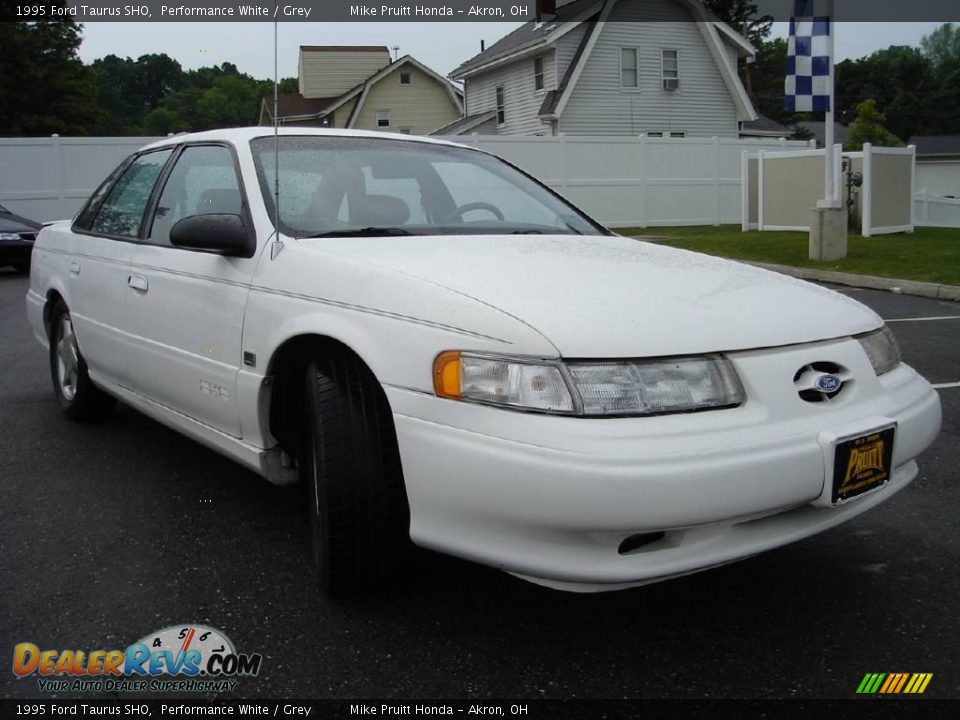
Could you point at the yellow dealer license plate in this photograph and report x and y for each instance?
(862, 464)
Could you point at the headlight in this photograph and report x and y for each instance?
(512, 382)
(9, 236)
(597, 389)
(882, 349)
(654, 387)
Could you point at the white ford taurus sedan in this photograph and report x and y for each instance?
(445, 351)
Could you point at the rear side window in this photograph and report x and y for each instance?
(122, 211)
(203, 182)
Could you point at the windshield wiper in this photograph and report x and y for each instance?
(365, 232)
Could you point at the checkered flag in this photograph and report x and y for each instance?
(807, 87)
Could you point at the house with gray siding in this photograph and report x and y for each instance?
(609, 67)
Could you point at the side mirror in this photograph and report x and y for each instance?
(223, 234)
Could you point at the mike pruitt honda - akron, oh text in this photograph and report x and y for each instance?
(429, 11)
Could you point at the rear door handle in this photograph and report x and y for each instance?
(138, 283)
(74, 267)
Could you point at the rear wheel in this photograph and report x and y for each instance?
(350, 464)
(78, 396)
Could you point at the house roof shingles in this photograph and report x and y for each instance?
(295, 105)
(467, 122)
(526, 34)
(936, 144)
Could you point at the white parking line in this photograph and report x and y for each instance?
(941, 386)
(924, 319)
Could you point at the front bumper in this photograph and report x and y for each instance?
(552, 498)
(12, 251)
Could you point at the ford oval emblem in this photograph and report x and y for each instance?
(827, 383)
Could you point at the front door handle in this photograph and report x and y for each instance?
(138, 283)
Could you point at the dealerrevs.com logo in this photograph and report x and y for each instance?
(179, 658)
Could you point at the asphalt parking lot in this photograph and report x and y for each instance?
(111, 531)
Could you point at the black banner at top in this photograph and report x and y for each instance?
(445, 10)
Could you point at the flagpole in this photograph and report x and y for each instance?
(828, 179)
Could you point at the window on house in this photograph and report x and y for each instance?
(501, 109)
(538, 73)
(383, 118)
(404, 78)
(670, 68)
(680, 134)
(629, 76)
(655, 133)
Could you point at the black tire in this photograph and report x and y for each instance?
(80, 399)
(350, 463)
(21, 266)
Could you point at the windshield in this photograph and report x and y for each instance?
(340, 186)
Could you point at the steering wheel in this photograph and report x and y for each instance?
(467, 207)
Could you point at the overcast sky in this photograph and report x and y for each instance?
(442, 46)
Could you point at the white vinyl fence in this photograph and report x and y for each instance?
(621, 181)
(932, 210)
(637, 181)
(50, 178)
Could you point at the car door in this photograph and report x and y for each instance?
(97, 253)
(184, 309)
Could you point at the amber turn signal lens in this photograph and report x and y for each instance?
(446, 374)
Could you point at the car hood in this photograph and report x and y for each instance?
(14, 223)
(605, 297)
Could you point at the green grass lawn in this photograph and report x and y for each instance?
(929, 254)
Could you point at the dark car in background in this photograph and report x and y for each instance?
(17, 234)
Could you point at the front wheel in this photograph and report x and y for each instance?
(79, 398)
(350, 464)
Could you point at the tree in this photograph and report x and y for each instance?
(742, 16)
(44, 87)
(869, 127)
(161, 121)
(942, 46)
(769, 69)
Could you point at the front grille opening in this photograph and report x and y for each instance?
(635, 542)
(805, 381)
(820, 367)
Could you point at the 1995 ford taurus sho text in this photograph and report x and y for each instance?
(445, 351)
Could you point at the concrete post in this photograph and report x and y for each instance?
(828, 233)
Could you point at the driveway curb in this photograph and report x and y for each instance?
(906, 287)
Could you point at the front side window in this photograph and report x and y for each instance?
(383, 118)
(629, 75)
(203, 182)
(123, 209)
(345, 186)
(501, 107)
(89, 210)
(538, 73)
(670, 63)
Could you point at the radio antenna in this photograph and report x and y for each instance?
(277, 245)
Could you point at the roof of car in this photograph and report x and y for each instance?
(244, 135)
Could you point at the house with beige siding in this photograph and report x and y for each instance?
(362, 87)
(609, 67)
